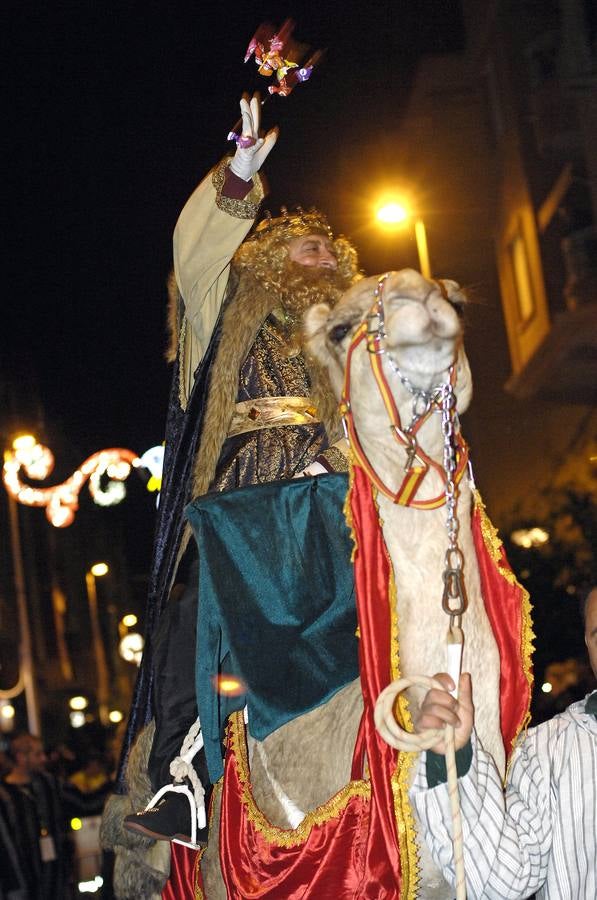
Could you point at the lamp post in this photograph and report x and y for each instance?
(392, 215)
(103, 683)
(25, 652)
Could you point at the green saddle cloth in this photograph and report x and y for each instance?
(276, 603)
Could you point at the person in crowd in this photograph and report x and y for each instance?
(92, 775)
(31, 808)
(540, 834)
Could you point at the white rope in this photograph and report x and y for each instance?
(181, 768)
(408, 742)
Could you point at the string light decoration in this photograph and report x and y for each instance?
(61, 501)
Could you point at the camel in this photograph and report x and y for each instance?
(301, 765)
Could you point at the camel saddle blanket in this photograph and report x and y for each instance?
(277, 608)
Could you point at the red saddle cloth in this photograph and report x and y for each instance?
(361, 843)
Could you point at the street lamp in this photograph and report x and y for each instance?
(98, 570)
(392, 214)
(26, 671)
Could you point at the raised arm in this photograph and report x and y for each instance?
(213, 223)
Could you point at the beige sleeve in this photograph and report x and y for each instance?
(209, 230)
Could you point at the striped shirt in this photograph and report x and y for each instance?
(541, 834)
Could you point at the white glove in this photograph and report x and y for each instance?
(248, 160)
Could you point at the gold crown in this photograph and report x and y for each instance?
(293, 224)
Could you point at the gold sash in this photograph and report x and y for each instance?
(271, 412)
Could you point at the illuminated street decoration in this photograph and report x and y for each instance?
(61, 501)
(153, 461)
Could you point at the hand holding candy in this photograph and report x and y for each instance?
(251, 150)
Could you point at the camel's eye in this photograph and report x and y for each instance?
(339, 332)
(457, 307)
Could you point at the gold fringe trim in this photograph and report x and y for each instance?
(199, 895)
(494, 545)
(403, 812)
(286, 837)
(239, 209)
(182, 394)
(346, 508)
(217, 788)
(405, 826)
(405, 823)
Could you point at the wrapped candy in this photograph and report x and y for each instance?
(267, 46)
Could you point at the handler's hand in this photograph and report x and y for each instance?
(440, 708)
(248, 160)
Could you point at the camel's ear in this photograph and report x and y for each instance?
(314, 332)
(454, 292)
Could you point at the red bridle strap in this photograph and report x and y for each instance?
(419, 461)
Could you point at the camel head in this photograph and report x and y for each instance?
(423, 327)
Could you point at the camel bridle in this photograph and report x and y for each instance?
(371, 331)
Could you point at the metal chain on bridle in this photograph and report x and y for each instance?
(454, 595)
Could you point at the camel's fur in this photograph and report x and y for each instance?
(309, 759)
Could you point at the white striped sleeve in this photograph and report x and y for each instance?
(507, 840)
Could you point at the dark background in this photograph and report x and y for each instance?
(116, 112)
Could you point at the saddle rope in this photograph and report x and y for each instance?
(181, 768)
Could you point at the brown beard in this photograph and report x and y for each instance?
(304, 286)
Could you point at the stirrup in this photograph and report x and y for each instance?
(198, 816)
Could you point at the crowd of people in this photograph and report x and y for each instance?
(39, 796)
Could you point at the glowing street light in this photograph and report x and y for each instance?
(529, 537)
(115, 716)
(228, 685)
(98, 570)
(79, 702)
(129, 620)
(391, 213)
(131, 647)
(7, 715)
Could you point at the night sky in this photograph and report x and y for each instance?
(117, 109)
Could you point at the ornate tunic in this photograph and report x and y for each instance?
(271, 453)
